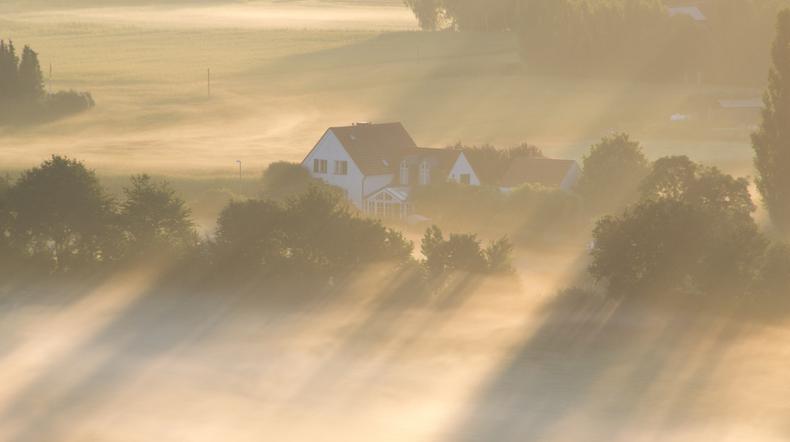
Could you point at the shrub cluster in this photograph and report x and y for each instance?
(462, 252)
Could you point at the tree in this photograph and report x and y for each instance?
(680, 179)
(5, 218)
(251, 234)
(462, 252)
(692, 230)
(772, 141)
(31, 82)
(775, 274)
(428, 13)
(283, 180)
(670, 178)
(499, 255)
(154, 217)
(60, 213)
(611, 174)
(313, 233)
(8, 70)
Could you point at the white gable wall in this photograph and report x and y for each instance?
(331, 149)
(462, 166)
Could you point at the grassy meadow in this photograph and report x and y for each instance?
(276, 87)
(281, 73)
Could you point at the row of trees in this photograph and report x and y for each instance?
(58, 218)
(637, 37)
(23, 98)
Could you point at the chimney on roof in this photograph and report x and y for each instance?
(362, 123)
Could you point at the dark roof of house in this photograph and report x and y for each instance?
(443, 159)
(544, 171)
(375, 148)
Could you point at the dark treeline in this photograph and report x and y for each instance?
(23, 98)
(624, 37)
(57, 219)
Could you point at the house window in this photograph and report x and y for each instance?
(425, 173)
(404, 174)
(341, 167)
(466, 179)
(319, 166)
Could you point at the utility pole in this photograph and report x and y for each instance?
(50, 78)
(239, 161)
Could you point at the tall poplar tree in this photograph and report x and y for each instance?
(31, 82)
(8, 70)
(771, 142)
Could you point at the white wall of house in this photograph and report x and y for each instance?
(374, 183)
(329, 148)
(574, 173)
(462, 167)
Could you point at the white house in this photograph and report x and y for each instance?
(378, 165)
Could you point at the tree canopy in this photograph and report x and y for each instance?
(691, 231)
(772, 141)
(59, 213)
(611, 173)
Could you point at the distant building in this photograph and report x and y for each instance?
(378, 166)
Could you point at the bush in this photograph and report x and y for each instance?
(611, 174)
(527, 213)
(283, 180)
(65, 103)
(153, 217)
(462, 252)
(312, 233)
(775, 273)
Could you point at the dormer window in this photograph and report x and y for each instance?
(404, 173)
(425, 174)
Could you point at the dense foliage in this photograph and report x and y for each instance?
(463, 252)
(634, 37)
(692, 231)
(528, 213)
(282, 180)
(22, 95)
(772, 141)
(611, 173)
(311, 233)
